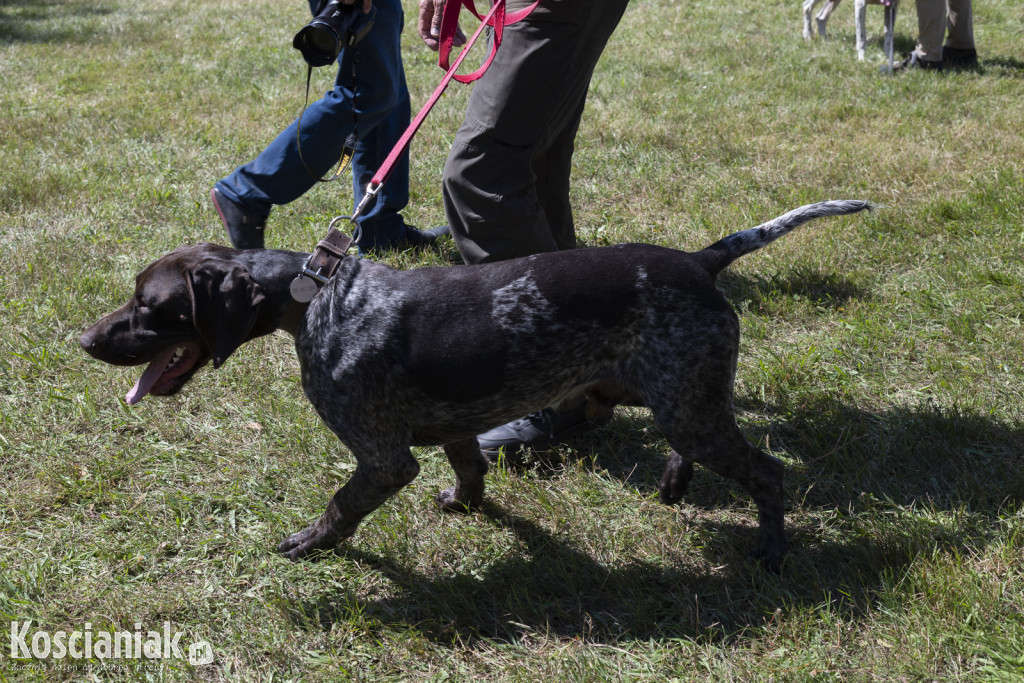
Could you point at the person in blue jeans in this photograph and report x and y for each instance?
(369, 97)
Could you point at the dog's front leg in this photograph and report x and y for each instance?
(368, 488)
(470, 466)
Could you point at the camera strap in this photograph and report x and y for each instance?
(348, 149)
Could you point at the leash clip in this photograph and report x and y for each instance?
(371, 191)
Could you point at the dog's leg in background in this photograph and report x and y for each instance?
(470, 466)
(859, 18)
(808, 9)
(675, 479)
(823, 15)
(368, 488)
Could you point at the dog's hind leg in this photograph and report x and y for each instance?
(368, 488)
(761, 475)
(470, 466)
(822, 19)
(723, 449)
(698, 419)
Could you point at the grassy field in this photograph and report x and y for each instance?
(882, 361)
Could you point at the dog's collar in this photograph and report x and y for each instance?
(320, 266)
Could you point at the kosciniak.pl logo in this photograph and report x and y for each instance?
(105, 645)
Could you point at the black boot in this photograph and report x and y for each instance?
(244, 227)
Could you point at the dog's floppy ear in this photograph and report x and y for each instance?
(225, 303)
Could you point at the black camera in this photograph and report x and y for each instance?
(335, 26)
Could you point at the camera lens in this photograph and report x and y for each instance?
(319, 43)
(322, 40)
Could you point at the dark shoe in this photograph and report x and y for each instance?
(424, 238)
(959, 57)
(913, 61)
(411, 239)
(244, 227)
(537, 431)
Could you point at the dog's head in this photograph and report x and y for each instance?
(190, 306)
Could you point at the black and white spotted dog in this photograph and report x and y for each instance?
(392, 359)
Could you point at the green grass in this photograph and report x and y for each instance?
(882, 361)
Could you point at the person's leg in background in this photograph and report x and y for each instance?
(959, 49)
(931, 27)
(506, 181)
(369, 91)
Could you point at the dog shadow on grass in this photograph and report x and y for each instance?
(550, 587)
(822, 288)
(854, 468)
(851, 467)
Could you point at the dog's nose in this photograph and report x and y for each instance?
(90, 341)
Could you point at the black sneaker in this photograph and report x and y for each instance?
(537, 431)
(244, 227)
(959, 57)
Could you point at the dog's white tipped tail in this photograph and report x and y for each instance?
(726, 250)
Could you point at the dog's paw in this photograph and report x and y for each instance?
(306, 543)
(448, 501)
(675, 480)
(770, 555)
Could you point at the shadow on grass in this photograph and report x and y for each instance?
(549, 586)
(945, 457)
(1011, 66)
(553, 588)
(856, 467)
(45, 21)
(821, 288)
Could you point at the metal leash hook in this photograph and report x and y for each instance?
(371, 191)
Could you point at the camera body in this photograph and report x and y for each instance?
(334, 26)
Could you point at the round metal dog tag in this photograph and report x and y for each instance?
(303, 289)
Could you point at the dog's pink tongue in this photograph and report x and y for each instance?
(149, 377)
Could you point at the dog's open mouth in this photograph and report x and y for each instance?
(167, 372)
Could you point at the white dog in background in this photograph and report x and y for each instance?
(859, 12)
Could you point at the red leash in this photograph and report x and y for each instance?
(496, 18)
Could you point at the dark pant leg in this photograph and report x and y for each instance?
(519, 129)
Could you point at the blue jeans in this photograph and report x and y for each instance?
(369, 96)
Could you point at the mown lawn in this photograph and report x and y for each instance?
(882, 361)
